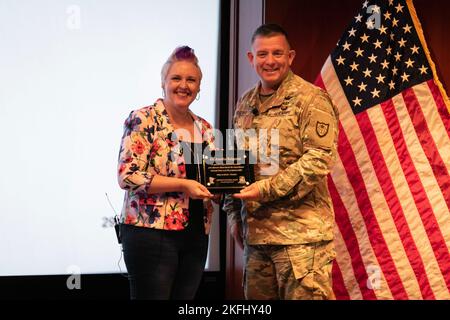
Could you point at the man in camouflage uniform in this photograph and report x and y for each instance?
(286, 217)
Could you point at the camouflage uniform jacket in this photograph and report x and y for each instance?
(296, 205)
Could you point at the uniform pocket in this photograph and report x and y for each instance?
(305, 258)
(311, 264)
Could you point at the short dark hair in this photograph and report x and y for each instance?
(269, 29)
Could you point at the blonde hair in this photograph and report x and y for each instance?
(183, 53)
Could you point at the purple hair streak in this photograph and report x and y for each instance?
(184, 53)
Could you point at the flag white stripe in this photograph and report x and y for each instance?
(410, 211)
(344, 260)
(434, 121)
(347, 194)
(374, 190)
(348, 198)
(423, 168)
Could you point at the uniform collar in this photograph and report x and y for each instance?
(275, 100)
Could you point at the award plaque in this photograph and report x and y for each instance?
(227, 174)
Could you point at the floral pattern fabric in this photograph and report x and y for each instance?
(150, 147)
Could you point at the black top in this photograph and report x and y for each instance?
(196, 208)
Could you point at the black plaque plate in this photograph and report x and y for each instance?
(222, 173)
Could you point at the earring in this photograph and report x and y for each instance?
(163, 94)
(198, 96)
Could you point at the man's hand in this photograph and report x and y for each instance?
(236, 232)
(249, 193)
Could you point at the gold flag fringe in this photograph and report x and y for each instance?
(418, 27)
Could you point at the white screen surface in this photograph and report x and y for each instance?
(70, 73)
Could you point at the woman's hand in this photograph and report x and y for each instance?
(195, 190)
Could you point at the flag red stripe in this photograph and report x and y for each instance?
(418, 192)
(339, 288)
(351, 241)
(428, 144)
(393, 202)
(375, 235)
(319, 82)
(442, 108)
(348, 234)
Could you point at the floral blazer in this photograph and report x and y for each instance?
(150, 147)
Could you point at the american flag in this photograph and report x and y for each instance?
(390, 185)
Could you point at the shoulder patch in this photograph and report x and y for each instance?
(322, 128)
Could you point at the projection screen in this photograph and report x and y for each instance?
(70, 73)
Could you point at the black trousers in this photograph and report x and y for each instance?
(164, 264)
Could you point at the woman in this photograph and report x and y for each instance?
(165, 223)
